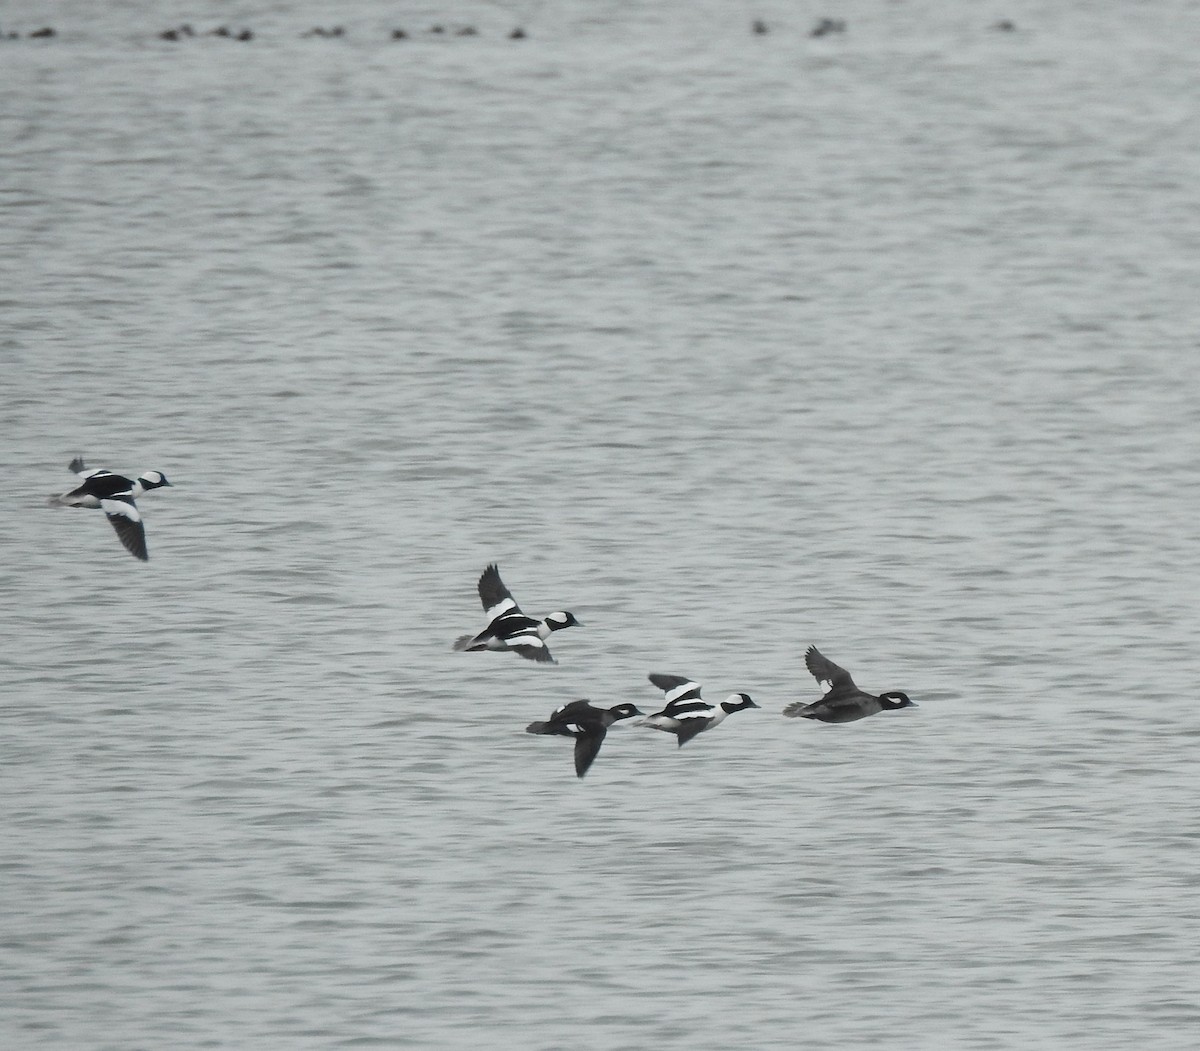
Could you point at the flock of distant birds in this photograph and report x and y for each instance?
(822, 27)
(685, 714)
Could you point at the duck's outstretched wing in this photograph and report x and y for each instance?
(835, 682)
(691, 722)
(496, 598)
(676, 687)
(122, 512)
(505, 619)
(530, 646)
(587, 746)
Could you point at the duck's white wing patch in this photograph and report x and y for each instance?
(676, 687)
(125, 519)
(505, 605)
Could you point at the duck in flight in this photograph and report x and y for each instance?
(507, 627)
(114, 494)
(843, 701)
(685, 714)
(587, 724)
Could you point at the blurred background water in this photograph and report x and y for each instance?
(728, 343)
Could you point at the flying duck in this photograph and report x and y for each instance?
(685, 714)
(843, 701)
(114, 494)
(588, 725)
(507, 627)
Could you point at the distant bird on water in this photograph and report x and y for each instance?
(114, 494)
(507, 627)
(825, 26)
(843, 701)
(685, 714)
(588, 725)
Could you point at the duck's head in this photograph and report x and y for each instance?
(559, 620)
(624, 711)
(894, 699)
(736, 702)
(153, 480)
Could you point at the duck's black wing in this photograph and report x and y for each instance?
(530, 646)
(587, 746)
(123, 514)
(676, 687)
(835, 682)
(497, 599)
(693, 719)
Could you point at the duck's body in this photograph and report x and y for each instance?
(114, 494)
(685, 714)
(843, 702)
(507, 627)
(825, 26)
(587, 724)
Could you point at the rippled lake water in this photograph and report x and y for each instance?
(730, 344)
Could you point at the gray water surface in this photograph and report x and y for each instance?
(730, 344)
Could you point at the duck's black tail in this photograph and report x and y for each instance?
(551, 728)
